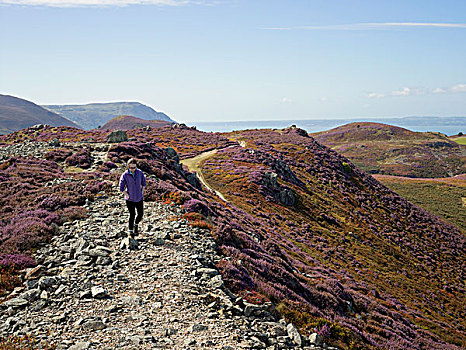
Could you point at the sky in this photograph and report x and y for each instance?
(228, 60)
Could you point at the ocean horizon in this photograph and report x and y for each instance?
(445, 125)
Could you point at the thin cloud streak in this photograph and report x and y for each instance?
(406, 91)
(104, 3)
(373, 26)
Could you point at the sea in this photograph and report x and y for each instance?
(445, 125)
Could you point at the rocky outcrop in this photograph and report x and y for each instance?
(117, 136)
(282, 194)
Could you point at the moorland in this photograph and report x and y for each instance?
(300, 225)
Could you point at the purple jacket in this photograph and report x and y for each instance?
(133, 183)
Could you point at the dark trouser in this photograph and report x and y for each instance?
(132, 207)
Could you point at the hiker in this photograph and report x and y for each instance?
(132, 183)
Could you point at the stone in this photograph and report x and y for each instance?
(197, 328)
(31, 284)
(85, 294)
(47, 282)
(98, 292)
(80, 245)
(31, 295)
(164, 235)
(34, 272)
(93, 325)
(131, 300)
(100, 251)
(60, 289)
(59, 319)
(103, 260)
(80, 346)
(169, 332)
(39, 305)
(16, 303)
(315, 339)
(206, 271)
(66, 272)
(294, 334)
(117, 136)
(216, 282)
(190, 342)
(159, 241)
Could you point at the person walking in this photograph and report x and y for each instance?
(132, 184)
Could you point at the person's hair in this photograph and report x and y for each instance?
(131, 161)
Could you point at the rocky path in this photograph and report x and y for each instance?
(93, 292)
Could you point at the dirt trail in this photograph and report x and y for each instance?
(193, 165)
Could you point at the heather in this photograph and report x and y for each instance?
(37, 196)
(336, 251)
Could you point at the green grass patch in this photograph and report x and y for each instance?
(444, 200)
(460, 140)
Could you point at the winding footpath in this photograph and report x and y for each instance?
(193, 165)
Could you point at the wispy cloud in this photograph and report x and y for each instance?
(104, 3)
(458, 88)
(286, 100)
(406, 91)
(409, 91)
(375, 95)
(373, 26)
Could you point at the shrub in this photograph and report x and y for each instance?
(19, 261)
(9, 278)
(195, 205)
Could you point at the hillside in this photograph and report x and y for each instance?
(17, 114)
(93, 115)
(391, 150)
(336, 252)
(127, 122)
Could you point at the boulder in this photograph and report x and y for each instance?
(117, 136)
(294, 334)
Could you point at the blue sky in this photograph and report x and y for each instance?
(240, 60)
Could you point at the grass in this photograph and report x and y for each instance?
(460, 140)
(445, 199)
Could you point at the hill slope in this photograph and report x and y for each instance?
(127, 122)
(17, 113)
(333, 249)
(386, 149)
(92, 115)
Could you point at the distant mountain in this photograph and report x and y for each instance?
(92, 115)
(391, 150)
(127, 122)
(17, 113)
